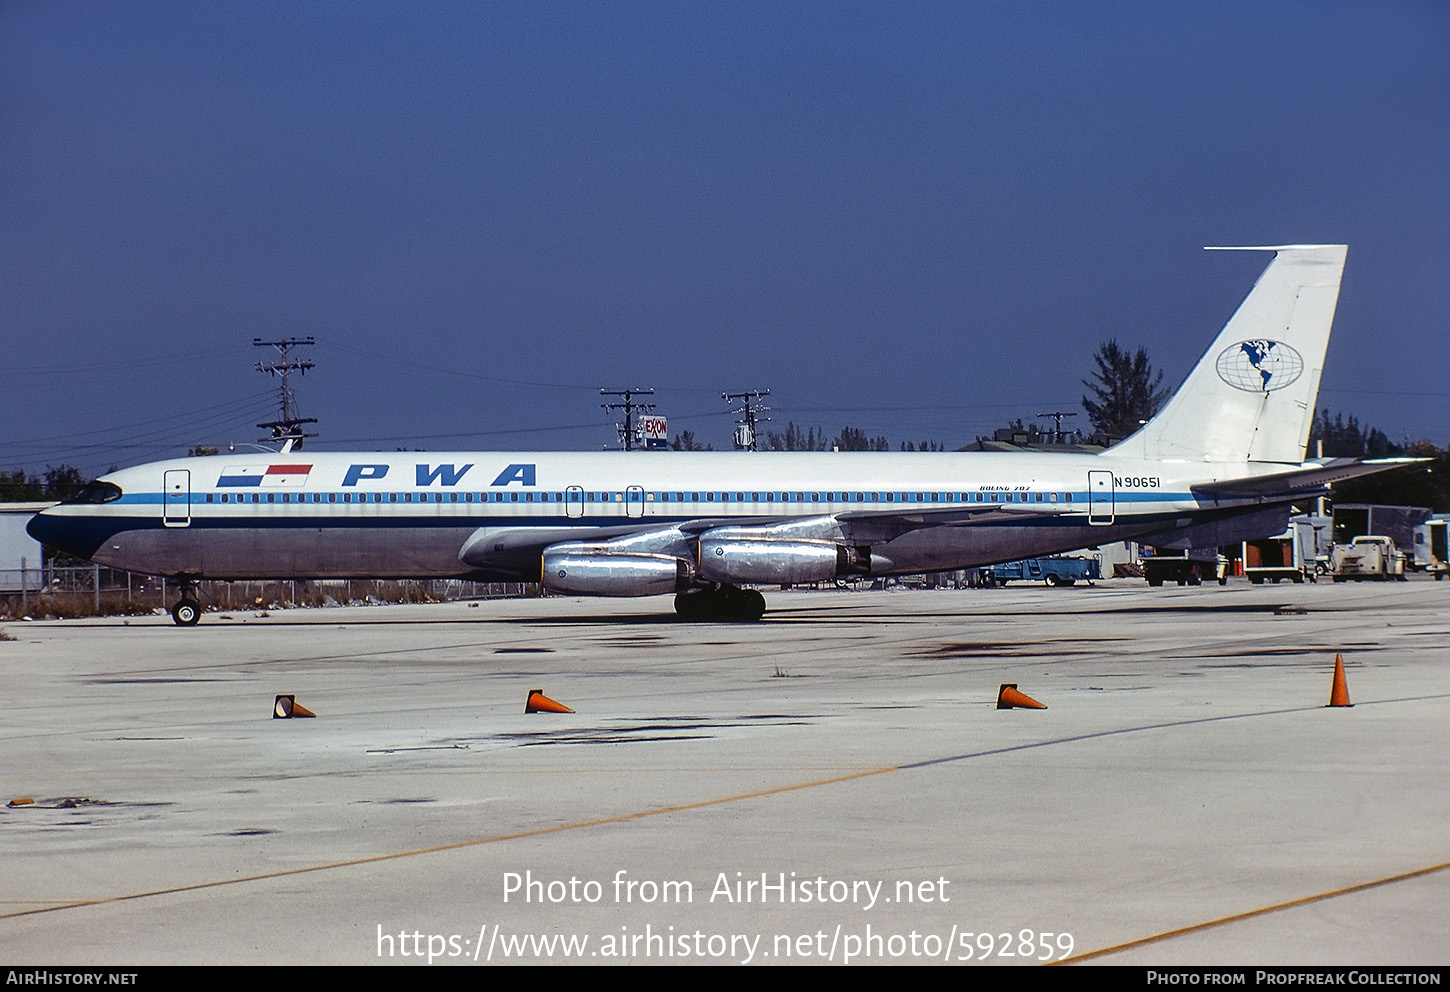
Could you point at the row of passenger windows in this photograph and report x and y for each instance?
(636, 496)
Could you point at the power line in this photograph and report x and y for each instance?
(1057, 416)
(287, 428)
(629, 406)
(394, 362)
(156, 440)
(242, 404)
(745, 436)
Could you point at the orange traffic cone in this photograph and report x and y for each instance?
(287, 707)
(1339, 691)
(540, 703)
(1008, 697)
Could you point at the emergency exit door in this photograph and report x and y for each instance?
(176, 498)
(1100, 497)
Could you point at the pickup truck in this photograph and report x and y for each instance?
(1049, 571)
(1370, 556)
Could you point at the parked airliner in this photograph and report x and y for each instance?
(1222, 462)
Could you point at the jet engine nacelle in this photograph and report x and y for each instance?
(771, 562)
(614, 574)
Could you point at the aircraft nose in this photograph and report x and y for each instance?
(42, 528)
(59, 533)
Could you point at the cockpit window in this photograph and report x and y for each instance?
(97, 492)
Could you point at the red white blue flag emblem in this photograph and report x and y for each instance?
(250, 476)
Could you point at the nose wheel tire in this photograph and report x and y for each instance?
(186, 613)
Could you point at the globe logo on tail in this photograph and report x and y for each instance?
(1260, 366)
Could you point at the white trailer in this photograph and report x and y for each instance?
(1300, 552)
(1432, 545)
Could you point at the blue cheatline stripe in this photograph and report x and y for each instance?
(1080, 501)
(279, 521)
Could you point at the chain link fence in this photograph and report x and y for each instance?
(90, 590)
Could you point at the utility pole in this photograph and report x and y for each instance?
(287, 428)
(745, 438)
(629, 406)
(1057, 416)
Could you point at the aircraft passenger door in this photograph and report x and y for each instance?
(176, 498)
(634, 501)
(1100, 497)
(574, 501)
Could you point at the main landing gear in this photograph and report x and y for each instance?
(187, 611)
(723, 602)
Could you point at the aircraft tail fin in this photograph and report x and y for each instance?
(1251, 396)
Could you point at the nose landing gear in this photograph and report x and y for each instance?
(187, 611)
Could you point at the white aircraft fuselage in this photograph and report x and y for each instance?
(1222, 462)
(488, 516)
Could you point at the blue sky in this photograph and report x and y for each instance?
(916, 218)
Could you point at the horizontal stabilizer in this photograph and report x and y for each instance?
(1313, 477)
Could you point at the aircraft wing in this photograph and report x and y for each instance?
(872, 526)
(1307, 480)
(905, 517)
(517, 549)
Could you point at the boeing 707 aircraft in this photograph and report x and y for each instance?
(1221, 463)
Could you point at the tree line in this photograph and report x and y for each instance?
(1123, 391)
(1427, 484)
(56, 484)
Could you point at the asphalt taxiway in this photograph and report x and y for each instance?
(833, 783)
